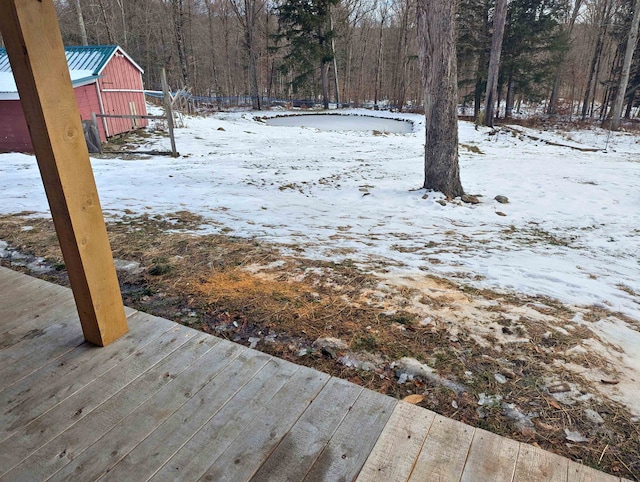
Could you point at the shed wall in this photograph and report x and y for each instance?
(121, 74)
(14, 133)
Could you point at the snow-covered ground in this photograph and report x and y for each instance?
(571, 230)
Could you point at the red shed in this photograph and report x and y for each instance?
(105, 80)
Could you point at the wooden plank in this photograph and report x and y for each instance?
(245, 429)
(54, 340)
(491, 457)
(46, 308)
(444, 451)
(254, 444)
(168, 111)
(34, 46)
(250, 371)
(10, 280)
(396, 451)
(582, 473)
(34, 435)
(88, 427)
(300, 448)
(30, 301)
(539, 465)
(41, 390)
(106, 452)
(346, 452)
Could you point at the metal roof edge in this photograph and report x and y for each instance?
(118, 48)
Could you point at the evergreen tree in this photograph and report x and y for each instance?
(306, 26)
(532, 39)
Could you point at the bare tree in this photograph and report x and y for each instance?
(632, 42)
(247, 12)
(499, 18)
(83, 31)
(437, 53)
(573, 9)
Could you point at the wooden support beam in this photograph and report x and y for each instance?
(34, 45)
(168, 111)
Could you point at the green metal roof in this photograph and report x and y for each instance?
(91, 58)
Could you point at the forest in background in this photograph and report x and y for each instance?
(565, 55)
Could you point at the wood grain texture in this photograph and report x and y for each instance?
(299, 449)
(348, 449)
(444, 452)
(582, 473)
(491, 457)
(241, 412)
(537, 464)
(136, 426)
(248, 368)
(42, 389)
(31, 437)
(34, 46)
(89, 426)
(10, 279)
(394, 455)
(257, 440)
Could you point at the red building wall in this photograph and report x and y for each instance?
(87, 99)
(120, 74)
(14, 133)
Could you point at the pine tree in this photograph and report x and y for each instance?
(306, 26)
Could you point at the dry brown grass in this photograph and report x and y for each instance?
(241, 289)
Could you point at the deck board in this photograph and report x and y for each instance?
(23, 401)
(301, 447)
(166, 402)
(395, 454)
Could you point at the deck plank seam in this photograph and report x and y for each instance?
(311, 466)
(87, 413)
(424, 440)
(227, 365)
(185, 368)
(298, 368)
(145, 342)
(229, 398)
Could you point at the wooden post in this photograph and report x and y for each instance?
(34, 45)
(169, 112)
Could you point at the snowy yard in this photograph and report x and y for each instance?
(570, 231)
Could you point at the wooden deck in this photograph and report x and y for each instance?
(166, 402)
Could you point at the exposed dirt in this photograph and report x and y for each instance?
(529, 368)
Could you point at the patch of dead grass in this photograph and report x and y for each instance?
(241, 288)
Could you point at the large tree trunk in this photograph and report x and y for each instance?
(178, 21)
(499, 18)
(83, 30)
(437, 52)
(632, 41)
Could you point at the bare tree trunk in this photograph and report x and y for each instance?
(632, 41)
(508, 109)
(83, 31)
(124, 23)
(555, 92)
(499, 18)
(178, 21)
(595, 61)
(335, 61)
(106, 22)
(379, 59)
(437, 53)
(325, 86)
